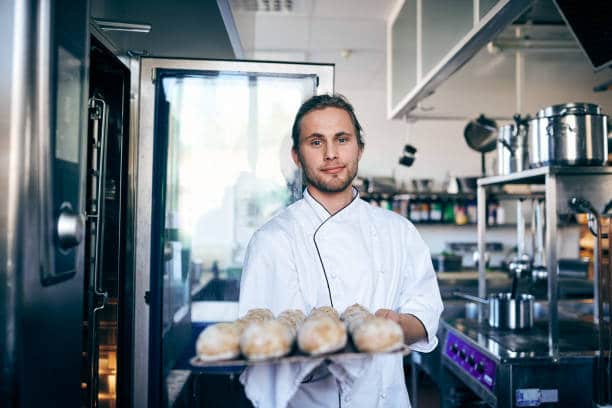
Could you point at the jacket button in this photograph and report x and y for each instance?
(383, 395)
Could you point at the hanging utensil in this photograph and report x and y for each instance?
(481, 135)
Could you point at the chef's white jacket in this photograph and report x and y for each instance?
(362, 254)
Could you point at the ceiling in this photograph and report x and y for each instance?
(348, 33)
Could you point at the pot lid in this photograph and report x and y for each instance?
(577, 108)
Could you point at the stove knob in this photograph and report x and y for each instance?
(462, 354)
(471, 360)
(480, 368)
(454, 348)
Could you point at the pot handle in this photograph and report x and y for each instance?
(507, 145)
(470, 297)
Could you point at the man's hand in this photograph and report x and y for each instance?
(412, 327)
(389, 314)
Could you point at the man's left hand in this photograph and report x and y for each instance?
(389, 314)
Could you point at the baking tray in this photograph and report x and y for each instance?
(349, 352)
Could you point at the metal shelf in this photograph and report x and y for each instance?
(560, 184)
(538, 175)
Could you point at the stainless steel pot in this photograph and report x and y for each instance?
(512, 147)
(506, 312)
(571, 134)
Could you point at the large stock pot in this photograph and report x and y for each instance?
(573, 134)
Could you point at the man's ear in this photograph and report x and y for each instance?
(296, 158)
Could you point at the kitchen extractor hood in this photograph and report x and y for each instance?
(591, 27)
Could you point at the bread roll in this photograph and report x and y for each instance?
(266, 339)
(354, 315)
(321, 333)
(254, 315)
(372, 334)
(324, 310)
(377, 334)
(293, 319)
(219, 341)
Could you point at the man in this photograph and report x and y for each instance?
(332, 248)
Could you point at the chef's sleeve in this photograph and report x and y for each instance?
(269, 276)
(420, 295)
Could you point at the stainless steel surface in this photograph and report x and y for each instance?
(15, 38)
(70, 229)
(520, 228)
(139, 349)
(551, 257)
(500, 16)
(34, 319)
(111, 25)
(569, 108)
(472, 298)
(481, 200)
(510, 313)
(539, 255)
(42, 126)
(512, 147)
(538, 175)
(560, 184)
(570, 134)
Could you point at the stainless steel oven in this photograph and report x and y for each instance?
(43, 83)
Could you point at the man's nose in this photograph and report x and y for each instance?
(331, 152)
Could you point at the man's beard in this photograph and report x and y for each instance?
(335, 185)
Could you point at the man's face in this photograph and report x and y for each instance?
(328, 150)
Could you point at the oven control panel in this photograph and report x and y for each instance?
(470, 360)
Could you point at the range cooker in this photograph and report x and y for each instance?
(506, 368)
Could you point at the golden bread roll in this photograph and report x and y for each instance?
(324, 310)
(293, 319)
(254, 315)
(219, 341)
(266, 339)
(354, 315)
(321, 333)
(377, 334)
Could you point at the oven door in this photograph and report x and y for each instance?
(214, 165)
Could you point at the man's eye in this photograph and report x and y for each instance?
(316, 143)
(342, 139)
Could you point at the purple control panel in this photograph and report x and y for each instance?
(471, 360)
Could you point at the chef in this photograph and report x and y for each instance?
(332, 248)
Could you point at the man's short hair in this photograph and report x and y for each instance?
(321, 102)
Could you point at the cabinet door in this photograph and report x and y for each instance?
(444, 23)
(214, 166)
